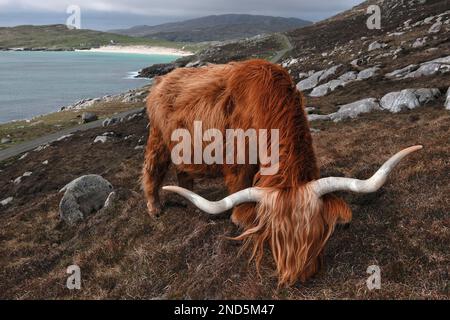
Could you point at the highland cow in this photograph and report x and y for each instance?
(292, 211)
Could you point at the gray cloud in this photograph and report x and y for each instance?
(107, 14)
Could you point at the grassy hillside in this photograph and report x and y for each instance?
(59, 37)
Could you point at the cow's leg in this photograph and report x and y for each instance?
(236, 180)
(185, 181)
(157, 161)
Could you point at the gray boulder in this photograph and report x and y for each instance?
(310, 82)
(348, 76)
(326, 88)
(101, 139)
(5, 140)
(109, 121)
(427, 69)
(400, 100)
(88, 117)
(368, 73)
(329, 72)
(420, 42)
(352, 110)
(402, 72)
(425, 95)
(316, 77)
(83, 196)
(435, 28)
(376, 45)
(315, 117)
(6, 201)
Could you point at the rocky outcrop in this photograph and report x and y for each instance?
(83, 196)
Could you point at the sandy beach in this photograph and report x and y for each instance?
(141, 50)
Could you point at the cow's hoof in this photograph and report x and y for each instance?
(154, 210)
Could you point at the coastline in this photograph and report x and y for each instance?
(140, 50)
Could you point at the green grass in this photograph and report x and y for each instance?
(59, 37)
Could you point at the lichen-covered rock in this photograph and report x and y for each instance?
(84, 195)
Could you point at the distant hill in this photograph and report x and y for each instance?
(216, 28)
(59, 37)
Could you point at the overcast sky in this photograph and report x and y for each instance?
(111, 14)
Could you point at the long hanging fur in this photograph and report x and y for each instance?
(290, 221)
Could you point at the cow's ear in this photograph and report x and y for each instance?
(336, 210)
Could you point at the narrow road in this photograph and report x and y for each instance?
(33, 144)
(288, 47)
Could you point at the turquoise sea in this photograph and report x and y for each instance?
(35, 83)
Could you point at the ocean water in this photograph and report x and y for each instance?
(35, 83)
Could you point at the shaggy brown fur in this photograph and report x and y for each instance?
(259, 95)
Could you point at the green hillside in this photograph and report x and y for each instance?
(59, 37)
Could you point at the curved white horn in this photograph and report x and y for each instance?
(216, 207)
(331, 184)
